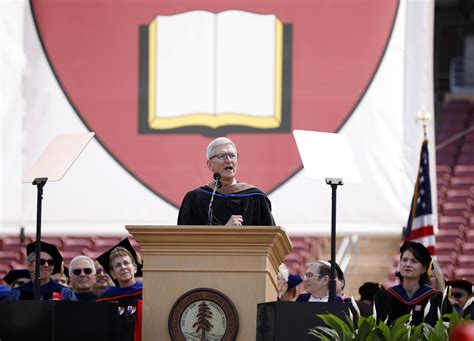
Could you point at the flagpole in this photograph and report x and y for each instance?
(424, 117)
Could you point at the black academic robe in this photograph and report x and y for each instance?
(394, 302)
(128, 308)
(86, 296)
(251, 203)
(48, 291)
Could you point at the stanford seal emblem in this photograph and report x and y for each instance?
(203, 314)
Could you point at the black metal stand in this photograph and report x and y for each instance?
(39, 183)
(333, 182)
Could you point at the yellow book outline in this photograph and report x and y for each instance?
(215, 120)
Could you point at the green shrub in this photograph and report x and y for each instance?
(368, 328)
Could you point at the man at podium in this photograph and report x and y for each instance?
(225, 201)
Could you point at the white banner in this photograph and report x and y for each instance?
(99, 196)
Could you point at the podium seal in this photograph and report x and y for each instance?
(203, 314)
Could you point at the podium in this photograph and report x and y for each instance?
(238, 264)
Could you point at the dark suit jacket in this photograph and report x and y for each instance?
(305, 298)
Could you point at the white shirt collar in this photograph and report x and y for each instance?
(314, 299)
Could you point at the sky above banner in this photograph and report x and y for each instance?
(80, 69)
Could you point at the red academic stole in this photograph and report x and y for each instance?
(415, 300)
(57, 296)
(138, 322)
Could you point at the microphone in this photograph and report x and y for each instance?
(217, 184)
(217, 179)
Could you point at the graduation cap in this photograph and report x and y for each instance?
(50, 249)
(16, 274)
(293, 281)
(104, 259)
(460, 284)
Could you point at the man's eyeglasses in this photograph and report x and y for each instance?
(78, 271)
(458, 294)
(224, 156)
(43, 262)
(310, 274)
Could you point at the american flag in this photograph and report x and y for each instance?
(420, 222)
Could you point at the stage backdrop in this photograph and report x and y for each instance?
(158, 80)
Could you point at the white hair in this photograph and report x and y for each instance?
(78, 258)
(283, 270)
(216, 143)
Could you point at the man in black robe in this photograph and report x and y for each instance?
(50, 290)
(234, 203)
(462, 299)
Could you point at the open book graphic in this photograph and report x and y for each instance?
(215, 70)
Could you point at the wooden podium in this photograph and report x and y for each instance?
(239, 262)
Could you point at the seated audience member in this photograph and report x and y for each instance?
(17, 277)
(316, 282)
(287, 284)
(367, 292)
(461, 297)
(50, 290)
(412, 294)
(61, 275)
(102, 280)
(436, 280)
(121, 263)
(82, 272)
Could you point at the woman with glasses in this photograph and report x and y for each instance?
(225, 201)
(50, 290)
(412, 295)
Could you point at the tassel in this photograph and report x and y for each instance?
(430, 268)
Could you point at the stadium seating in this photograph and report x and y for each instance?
(455, 181)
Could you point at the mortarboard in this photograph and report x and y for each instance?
(50, 249)
(459, 283)
(421, 252)
(15, 274)
(104, 258)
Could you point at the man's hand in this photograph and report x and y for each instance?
(235, 220)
